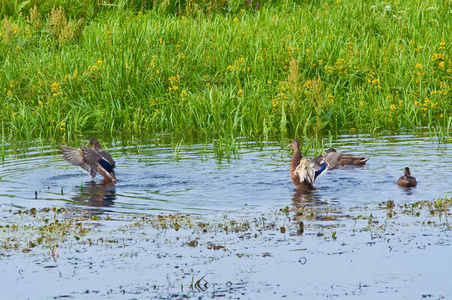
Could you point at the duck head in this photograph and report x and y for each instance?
(95, 143)
(295, 144)
(407, 172)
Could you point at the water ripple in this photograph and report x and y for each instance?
(155, 179)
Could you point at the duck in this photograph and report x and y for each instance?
(92, 160)
(407, 180)
(337, 158)
(304, 171)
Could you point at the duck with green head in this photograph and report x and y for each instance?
(91, 160)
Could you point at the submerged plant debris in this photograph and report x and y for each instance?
(237, 255)
(23, 230)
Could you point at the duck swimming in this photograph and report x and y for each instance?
(304, 171)
(407, 180)
(91, 160)
(341, 159)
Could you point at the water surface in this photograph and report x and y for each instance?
(351, 244)
(154, 178)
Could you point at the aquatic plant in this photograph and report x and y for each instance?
(297, 70)
(51, 228)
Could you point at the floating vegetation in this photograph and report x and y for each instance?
(24, 230)
(223, 254)
(48, 228)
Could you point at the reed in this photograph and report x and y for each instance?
(224, 69)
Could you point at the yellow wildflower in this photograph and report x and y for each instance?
(183, 95)
(330, 99)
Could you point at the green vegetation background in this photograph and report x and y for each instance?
(223, 68)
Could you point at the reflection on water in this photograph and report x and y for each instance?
(96, 195)
(408, 190)
(153, 178)
(312, 198)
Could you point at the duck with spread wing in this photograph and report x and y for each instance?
(304, 171)
(91, 160)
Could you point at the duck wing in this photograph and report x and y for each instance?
(319, 168)
(106, 156)
(306, 171)
(85, 158)
(331, 159)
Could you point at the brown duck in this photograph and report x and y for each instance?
(91, 160)
(407, 180)
(304, 171)
(340, 159)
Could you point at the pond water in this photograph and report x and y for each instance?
(349, 247)
(153, 179)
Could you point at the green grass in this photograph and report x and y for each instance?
(226, 71)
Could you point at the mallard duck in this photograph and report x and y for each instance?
(91, 160)
(407, 180)
(304, 171)
(340, 159)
